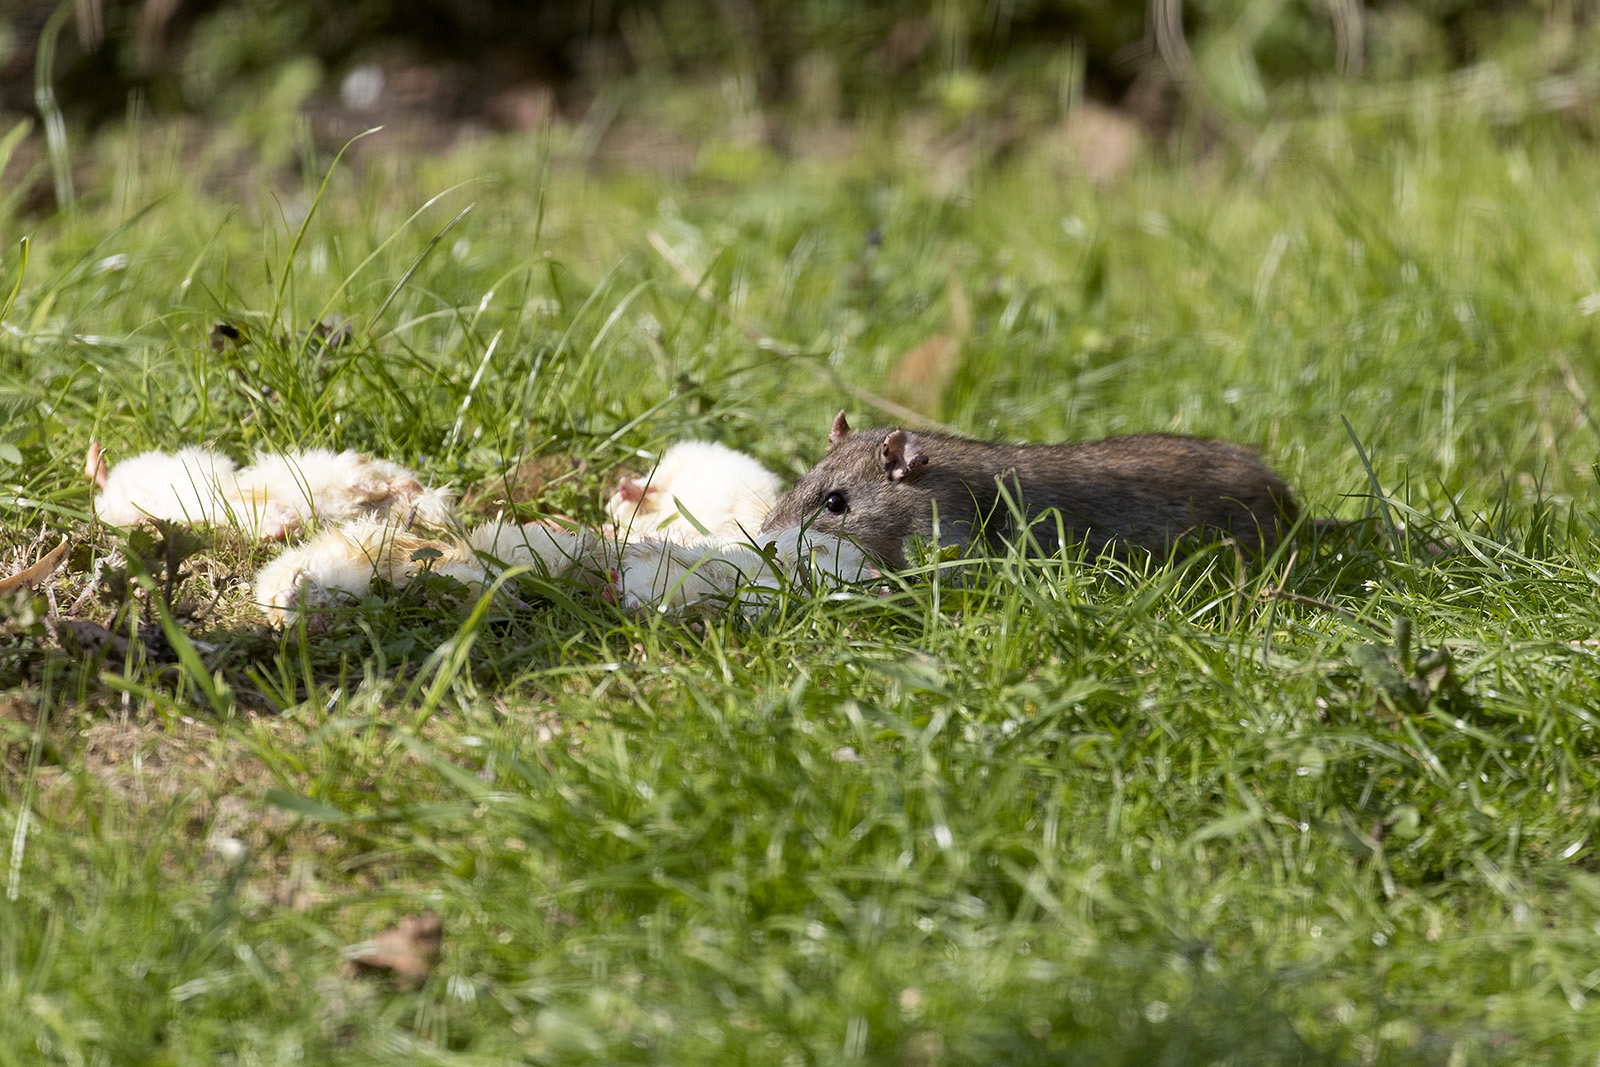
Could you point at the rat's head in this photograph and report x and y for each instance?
(864, 489)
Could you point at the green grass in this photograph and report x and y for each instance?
(1159, 812)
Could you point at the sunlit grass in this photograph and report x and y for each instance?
(1116, 812)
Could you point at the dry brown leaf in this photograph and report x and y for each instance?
(34, 575)
(407, 951)
(919, 377)
(1103, 143)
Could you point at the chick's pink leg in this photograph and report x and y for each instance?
(94, 465)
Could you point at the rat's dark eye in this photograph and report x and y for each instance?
(836, 503)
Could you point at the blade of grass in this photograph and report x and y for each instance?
(1395, 543)
(311, 213)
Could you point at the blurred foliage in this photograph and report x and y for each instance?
(824, 58)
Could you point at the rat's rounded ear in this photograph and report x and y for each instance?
(841, 429)
(902, 454)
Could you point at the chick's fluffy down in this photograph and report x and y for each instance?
(727, 492)
(342, 561)
(184, 486)
(276, 496)
(670, 578)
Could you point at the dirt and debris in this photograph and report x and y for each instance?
(405, 952)
(525, 486)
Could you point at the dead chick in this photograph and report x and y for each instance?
(726, 491)
(275, 497)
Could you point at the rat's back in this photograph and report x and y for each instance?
(1148, 490)
(1152, 489)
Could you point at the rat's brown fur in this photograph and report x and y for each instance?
(1145, 490)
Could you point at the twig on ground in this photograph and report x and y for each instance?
(38, 572)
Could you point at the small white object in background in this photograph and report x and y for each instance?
(727, 492)
(343, 560)
(273, 498)
(677, 579)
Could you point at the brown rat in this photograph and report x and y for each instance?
(880, 486)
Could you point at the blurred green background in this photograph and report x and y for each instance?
(792, 64)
